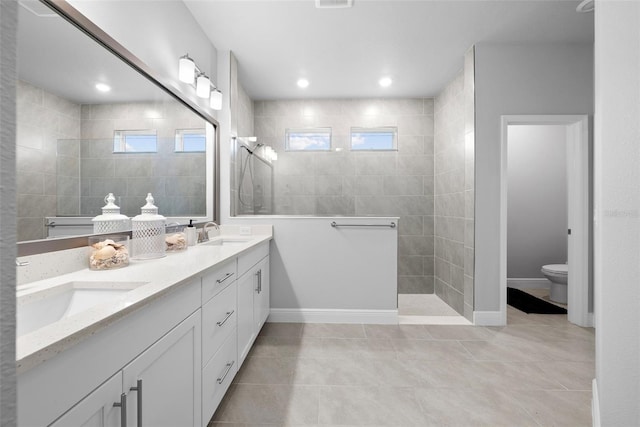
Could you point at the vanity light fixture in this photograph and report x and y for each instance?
(188, 72)
(203, 85)
(302, 83)
(216, 100)
(186, 69)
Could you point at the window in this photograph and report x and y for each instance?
(135, 141)
(374, 139)
(308, 139)
(190, 141)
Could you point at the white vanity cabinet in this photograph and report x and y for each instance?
(97, 409)
(253, 297)
(154, 343)
(167, 363)
(161, 387)
(163, 383)
(219, 326)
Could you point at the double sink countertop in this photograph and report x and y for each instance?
(123, 290)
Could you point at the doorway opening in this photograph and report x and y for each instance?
(558, 219)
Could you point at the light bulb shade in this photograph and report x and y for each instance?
(203, 86)
(186, 69)
(216, 100)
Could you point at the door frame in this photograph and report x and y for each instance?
(578, 210)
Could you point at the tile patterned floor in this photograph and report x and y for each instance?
(536, 371)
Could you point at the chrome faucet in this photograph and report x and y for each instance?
(204, 234)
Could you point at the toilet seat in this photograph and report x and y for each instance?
(556, 268)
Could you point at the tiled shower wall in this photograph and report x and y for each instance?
(42, 119)
(454, 160)
(177, 180)
(340, 182)
(242, 119)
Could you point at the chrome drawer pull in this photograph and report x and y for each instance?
(138, 388)
(223, 321)
(224, 278)
(123, 409)
(229, 365)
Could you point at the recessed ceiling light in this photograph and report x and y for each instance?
(103, 87)
(385, 81)
(302, 83)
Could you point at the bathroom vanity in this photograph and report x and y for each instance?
(161, 352)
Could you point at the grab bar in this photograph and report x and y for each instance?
(53, 224)
(391, 225)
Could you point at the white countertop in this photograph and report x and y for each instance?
(161, 275)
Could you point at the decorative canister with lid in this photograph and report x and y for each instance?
(111, 220)
(148, 232)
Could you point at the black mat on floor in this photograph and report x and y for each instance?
(530, 304)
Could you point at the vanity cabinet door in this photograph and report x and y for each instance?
(247, 285)
(169, 374)
(96, 410)
(261, 295)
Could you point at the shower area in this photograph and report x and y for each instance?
(252, 182)
(425, 180)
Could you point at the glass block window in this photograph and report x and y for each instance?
(135, 141)
(374, 139)
(190, 141)
(318, 139)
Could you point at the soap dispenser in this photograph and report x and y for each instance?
(192, 235)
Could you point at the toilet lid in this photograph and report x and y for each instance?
(556, 268)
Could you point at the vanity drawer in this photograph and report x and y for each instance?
(217, 376)
(217, 280)
(219, 320)
(251, 258)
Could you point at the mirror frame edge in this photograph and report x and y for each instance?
(88, 27)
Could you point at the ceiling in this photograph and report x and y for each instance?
(56, 56)
(344, 52)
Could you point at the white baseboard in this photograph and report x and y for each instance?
(528, 283)
(488, 318)
(306, 315)
(595, 405)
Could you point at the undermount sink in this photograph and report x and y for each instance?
(38, 309)
(227, 241)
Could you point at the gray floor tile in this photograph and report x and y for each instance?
(330, 330)
(481, 407)
(381, 406)
(557, 408)
(269, 404)
(535, 371)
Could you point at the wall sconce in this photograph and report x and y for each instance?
(188, 72)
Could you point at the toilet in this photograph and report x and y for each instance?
(557, 275)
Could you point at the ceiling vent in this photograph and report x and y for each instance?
(333, 4)
(38, 8)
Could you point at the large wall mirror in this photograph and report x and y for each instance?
(88, 124)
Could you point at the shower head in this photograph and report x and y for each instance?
(254, 148)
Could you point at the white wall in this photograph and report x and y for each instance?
(517, 79)
(617, 212)
(342, 268)
(537, 199)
